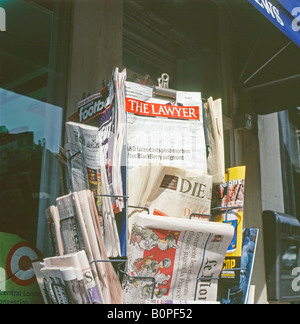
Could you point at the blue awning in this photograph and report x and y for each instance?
(284, 14)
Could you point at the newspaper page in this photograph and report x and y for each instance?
(164, 132)
(174, 259)
(179, 192)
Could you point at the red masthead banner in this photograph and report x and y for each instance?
(162, 110)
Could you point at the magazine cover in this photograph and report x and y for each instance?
(228, 204)
(242, 295)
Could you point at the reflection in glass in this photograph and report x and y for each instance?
(30, 130)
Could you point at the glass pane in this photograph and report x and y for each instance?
(28, 128)
(30, 132)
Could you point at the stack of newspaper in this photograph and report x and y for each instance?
(88, 170)
(76, 227)
(175, 253)
(67, 280)
(170, 170)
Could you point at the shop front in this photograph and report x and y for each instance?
(57, 60)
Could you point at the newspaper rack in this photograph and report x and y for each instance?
(161, 90)
(120, 262)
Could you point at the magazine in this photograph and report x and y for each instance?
(174, 258)
(228, 204)
(244, 293)
(164, 132)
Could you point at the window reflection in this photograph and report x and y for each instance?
(30, 131)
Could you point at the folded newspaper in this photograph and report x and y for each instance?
(174, 259)
(78, 260)
(106, 111)
(171, 191)
(88, 171)
(61, 285)
(215, 158)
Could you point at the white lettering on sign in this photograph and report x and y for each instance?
(271, 10)
(296, 21)
(296, 281)
(2, 279)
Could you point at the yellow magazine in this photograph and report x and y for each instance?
(228, 204)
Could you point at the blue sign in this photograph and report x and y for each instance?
(284, 14)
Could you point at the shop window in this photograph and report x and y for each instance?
(30, 128)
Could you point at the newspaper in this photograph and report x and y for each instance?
(105, 110)
(78, 260)
(90, 163)
(83, 149)
(180, 193)
(53, 223)
(80, 228)
(215, 158)
(63, 285)
(181, 259)
(171, 191)
(164, 132)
